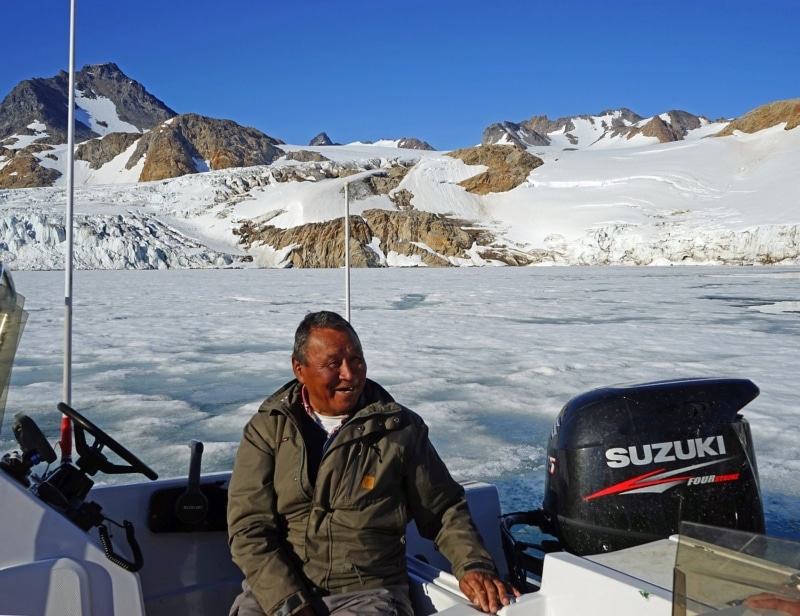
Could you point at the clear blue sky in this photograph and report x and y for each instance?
(438, 70)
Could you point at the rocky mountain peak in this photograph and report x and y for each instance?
(412, 143)
(659, 129)
(539, 131)
(321, 139)
(520, 135)
(36, 107)
(134, 104)
(36, 112)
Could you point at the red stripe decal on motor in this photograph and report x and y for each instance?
(667, 479)
(635, 483)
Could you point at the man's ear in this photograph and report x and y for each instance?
(297, 368)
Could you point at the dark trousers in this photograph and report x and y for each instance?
(391, 600)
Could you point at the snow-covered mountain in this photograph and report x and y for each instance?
(599, 130)
(106, 101)
(608, 189)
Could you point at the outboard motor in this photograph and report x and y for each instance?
(627, 464)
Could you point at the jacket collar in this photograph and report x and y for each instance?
(288, 400)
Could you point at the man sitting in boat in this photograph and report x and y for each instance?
(328, 474)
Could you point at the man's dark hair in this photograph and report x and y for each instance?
(324, 319)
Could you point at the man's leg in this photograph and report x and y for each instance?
(388, 601)
(391, 600)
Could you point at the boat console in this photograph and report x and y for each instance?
(133, 549)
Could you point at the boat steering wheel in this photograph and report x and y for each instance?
(92, 458)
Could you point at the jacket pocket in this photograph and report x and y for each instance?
(368, 475)
(380, 513)
(374, 557)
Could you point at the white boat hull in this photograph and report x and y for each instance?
(50, 567)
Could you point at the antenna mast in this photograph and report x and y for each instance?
(66, 425)
(347, 251)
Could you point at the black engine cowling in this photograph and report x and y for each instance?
(626, 464)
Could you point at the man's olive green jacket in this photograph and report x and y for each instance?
(346, 532)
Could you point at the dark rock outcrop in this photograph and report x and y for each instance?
(316, 244)
(24, 171)
(382, 182)
(412, 143)
(622, 121)
(674, 128)
(534, 132)
(186, 143)
(400, 232)
(97, 152)
(659, 129)
(514, 134)
(684, 122)
(766, 116)
(306, 156)
(509, 166)
(40, 103)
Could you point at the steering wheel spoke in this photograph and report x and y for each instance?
(92, 457)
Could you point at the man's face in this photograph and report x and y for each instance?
(335, 371)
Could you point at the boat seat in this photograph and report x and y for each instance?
(56, 587)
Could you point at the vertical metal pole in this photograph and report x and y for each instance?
(347, 251)
(66, 433)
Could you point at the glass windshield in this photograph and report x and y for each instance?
(731, 572)
(12, 322)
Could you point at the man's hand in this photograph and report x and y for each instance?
(769, 601)
(306, 611)
(486, 591)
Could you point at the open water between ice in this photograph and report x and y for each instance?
(487, 356)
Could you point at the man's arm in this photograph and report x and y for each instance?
(440, 509)
(253, 529)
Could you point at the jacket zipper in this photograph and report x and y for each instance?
(302, 456)
(356, 465)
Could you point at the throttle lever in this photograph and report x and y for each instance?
(191, 507)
